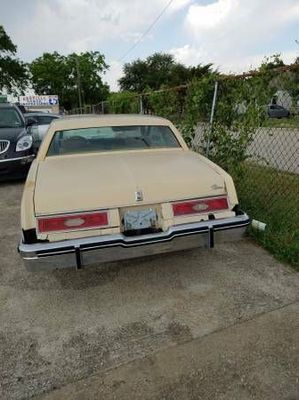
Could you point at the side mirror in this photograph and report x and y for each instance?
(31, 121)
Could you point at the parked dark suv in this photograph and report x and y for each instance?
(16, 151)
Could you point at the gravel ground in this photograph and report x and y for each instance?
(220, 324)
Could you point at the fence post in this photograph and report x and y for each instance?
(212, 117)
(141, 111)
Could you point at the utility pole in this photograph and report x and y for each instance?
(141, 110)
(79, 84)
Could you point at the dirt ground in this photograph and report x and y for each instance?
(201, 324)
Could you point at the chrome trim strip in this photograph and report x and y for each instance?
(6, 145)
(17, 158)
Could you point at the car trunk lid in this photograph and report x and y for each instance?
(112, 180)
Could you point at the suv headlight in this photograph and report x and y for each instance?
(24, 143)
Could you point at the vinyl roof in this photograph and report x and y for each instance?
(95, 120)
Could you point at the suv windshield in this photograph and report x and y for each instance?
(10, 118)
(112, 138)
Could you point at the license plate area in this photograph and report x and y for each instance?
(139, 220)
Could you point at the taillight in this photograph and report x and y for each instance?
(72, 222)
(200, 206)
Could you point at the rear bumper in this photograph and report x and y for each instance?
(93, 250)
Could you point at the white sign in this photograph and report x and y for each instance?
(35, 100)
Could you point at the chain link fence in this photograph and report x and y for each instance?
(255, 137)
(249, 125)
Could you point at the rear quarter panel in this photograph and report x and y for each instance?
(27, 203)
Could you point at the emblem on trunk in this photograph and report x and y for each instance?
(200, 207)
(216, 187)
(138, 195)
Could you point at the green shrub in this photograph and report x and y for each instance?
(123, 103)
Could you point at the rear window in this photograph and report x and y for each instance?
(112, 138)
(44, 119)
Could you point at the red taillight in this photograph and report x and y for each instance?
(73, 222)
(200, 206)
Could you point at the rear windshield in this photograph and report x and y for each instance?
(10, 118)
(111, 138)
(42, 119)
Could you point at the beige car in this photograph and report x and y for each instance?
(113, 187)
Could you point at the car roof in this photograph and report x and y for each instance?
(96, 120)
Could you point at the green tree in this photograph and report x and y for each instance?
(271, 62)
(53, 73)
(281, 80)
(157, 70)
(135, 76)
(13, 72)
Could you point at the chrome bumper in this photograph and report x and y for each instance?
(92, 250)
(22, 160)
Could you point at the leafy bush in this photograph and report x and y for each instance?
(123, 103)
(228, 148)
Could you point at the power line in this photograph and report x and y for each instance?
(146, 31)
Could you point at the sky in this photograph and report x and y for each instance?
(234, 35)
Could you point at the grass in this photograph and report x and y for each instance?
(272, 197)
(291, 122)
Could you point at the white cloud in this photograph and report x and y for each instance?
(239, 65)
(178, 4)
(113, 74)
(189, 55)
(240, 20)
(205, 17)
(233, 33)
(79, 25)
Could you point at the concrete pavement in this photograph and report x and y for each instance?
(220, 324)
